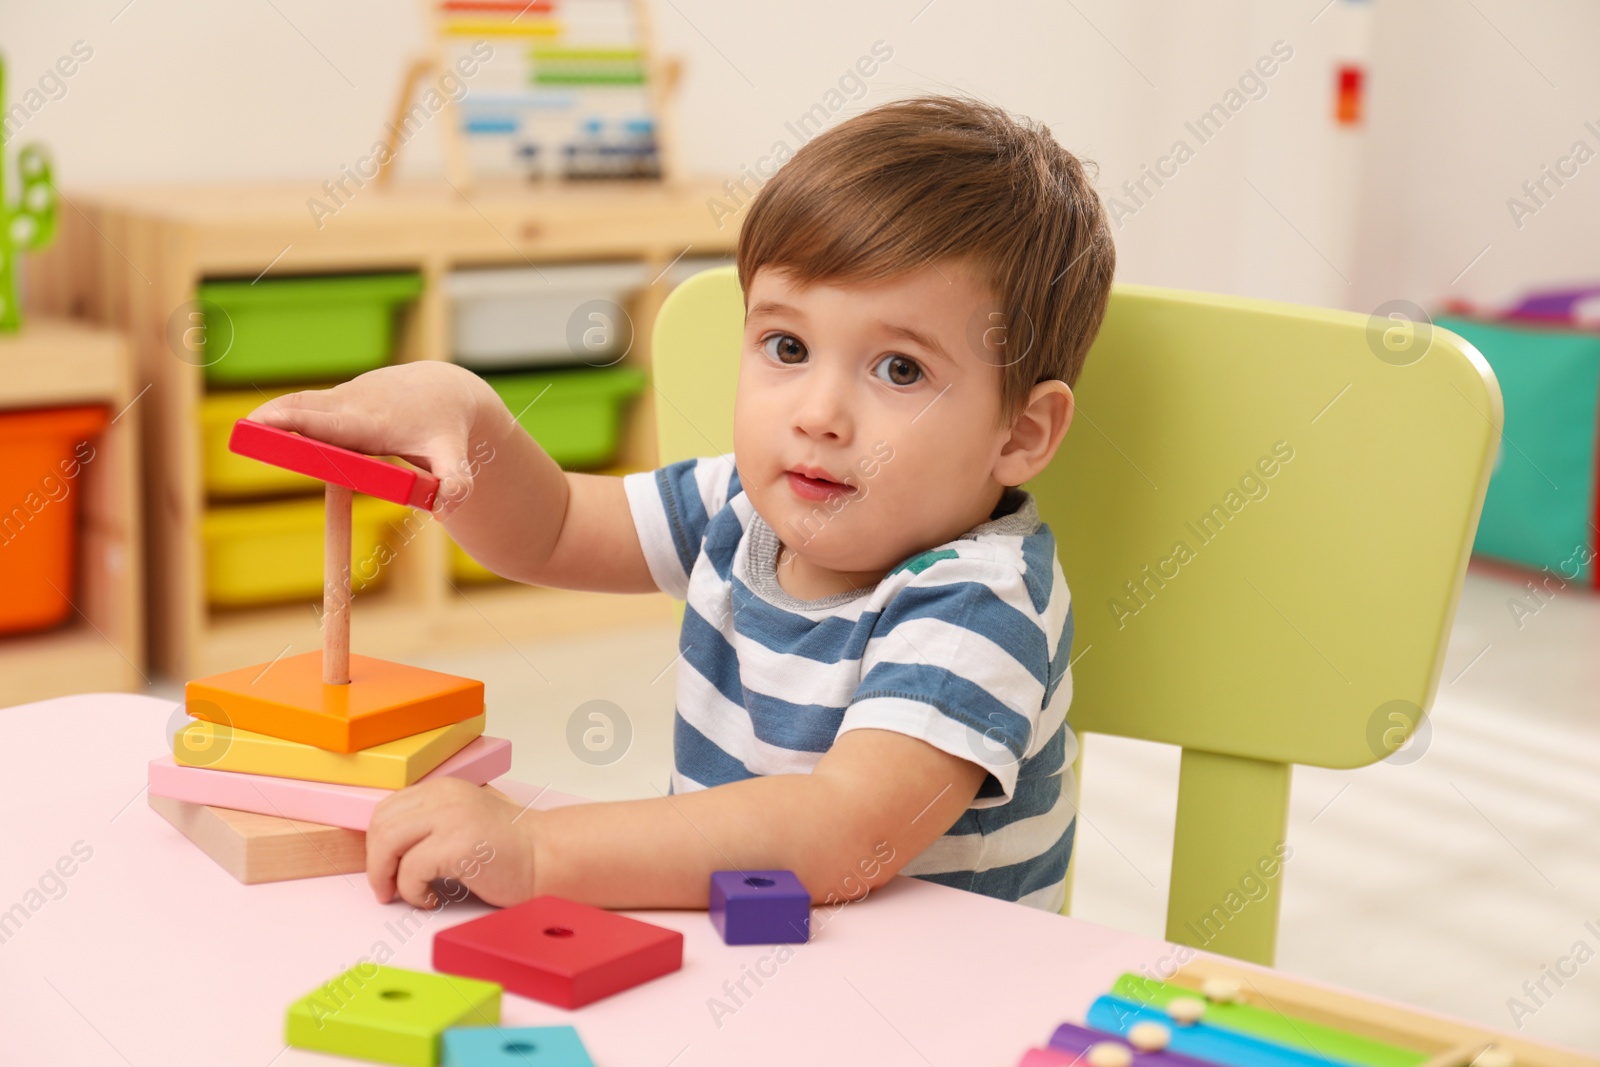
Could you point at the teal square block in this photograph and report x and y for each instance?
(523, 1046)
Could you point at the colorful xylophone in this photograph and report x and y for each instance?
(1211, 1014)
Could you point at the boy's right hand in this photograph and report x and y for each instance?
(427, 413)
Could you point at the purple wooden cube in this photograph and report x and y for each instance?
(760, 907)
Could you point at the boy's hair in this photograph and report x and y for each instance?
(947, 177)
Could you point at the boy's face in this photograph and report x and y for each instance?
(832, 385)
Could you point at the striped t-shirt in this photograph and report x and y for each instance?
(964, 646)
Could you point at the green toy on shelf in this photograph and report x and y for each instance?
(29, 224)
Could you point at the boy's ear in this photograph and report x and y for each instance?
(1036, 433)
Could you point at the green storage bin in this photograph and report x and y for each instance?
(575, 415)
(301, 329)
(1541, 495)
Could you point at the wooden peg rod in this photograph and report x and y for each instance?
(336, 586)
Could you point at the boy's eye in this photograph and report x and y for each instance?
(785, 348)
(898, 370)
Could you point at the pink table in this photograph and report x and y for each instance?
(148, 953)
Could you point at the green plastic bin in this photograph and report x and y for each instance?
(1541, 497)
(301, 329)
(575, 415)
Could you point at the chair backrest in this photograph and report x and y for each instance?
(1264, 514)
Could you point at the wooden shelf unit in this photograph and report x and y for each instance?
(53, 363)
(132, 258)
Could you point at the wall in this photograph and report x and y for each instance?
(1474, 99)
(1467, 101)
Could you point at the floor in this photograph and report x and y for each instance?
(1447, 877)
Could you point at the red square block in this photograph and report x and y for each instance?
(318, 459)
(558, 951)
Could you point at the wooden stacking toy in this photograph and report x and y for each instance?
(760, 907)
(389, 1014)
(558, 951)
(514, 1046)
(320, 739)
(335, 701)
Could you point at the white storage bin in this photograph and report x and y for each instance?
(521, 316)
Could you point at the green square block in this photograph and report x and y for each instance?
(389, 1015)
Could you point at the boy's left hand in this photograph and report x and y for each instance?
(450, 830)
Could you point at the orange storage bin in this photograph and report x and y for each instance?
(42, 460)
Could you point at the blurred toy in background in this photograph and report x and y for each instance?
(1578, 308)
(29, 224)
(624, 148)
(1542, 510)
(560, 90)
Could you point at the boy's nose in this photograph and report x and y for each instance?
(823, 411)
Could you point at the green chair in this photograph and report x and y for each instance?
(1263, 512)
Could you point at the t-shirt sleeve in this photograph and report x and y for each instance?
(671, 508)
(960, 658)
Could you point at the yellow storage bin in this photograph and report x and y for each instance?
(225, 474)
(463, 568)
(260, 553)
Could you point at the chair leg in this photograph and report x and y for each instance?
(1228, 854)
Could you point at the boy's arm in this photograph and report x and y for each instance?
(528, 520)
(874, 801)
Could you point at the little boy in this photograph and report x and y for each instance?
(873, 677)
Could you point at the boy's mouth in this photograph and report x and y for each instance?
(813, 483)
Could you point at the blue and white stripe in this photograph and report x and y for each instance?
(965, 646)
